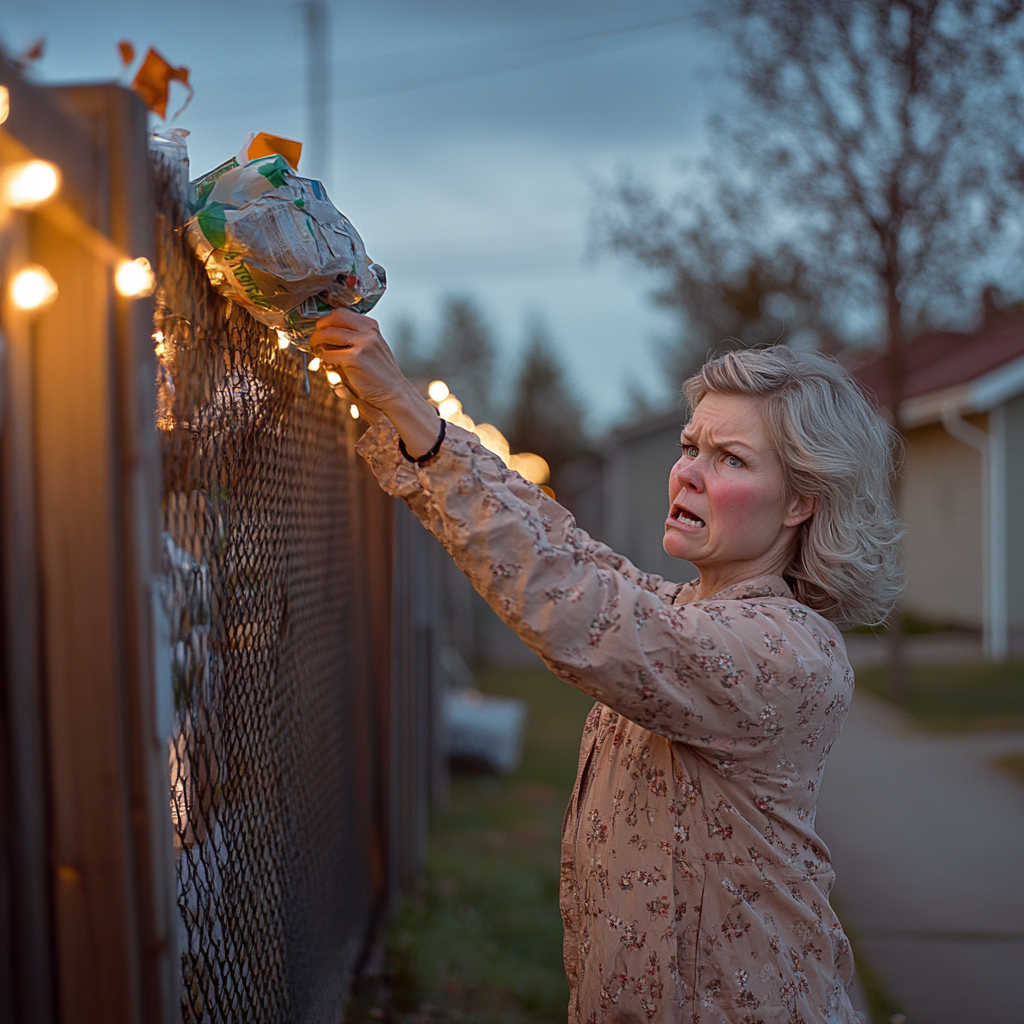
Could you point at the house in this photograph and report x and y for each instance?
(962, 482)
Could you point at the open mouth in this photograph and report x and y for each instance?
(685, 516)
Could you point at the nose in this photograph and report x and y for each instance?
(686, 474)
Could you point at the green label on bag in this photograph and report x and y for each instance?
(249, 285)
(204, 186)
(212, 223)
(275, 171)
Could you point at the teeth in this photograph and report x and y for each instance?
(688, 520)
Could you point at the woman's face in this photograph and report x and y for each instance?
(730, 513)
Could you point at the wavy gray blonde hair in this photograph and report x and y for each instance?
(836, 448)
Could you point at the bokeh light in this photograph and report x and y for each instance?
(33, 288)
(438, 390)
(29, 184)
(134, 279)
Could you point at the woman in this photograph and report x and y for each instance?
(694, 887)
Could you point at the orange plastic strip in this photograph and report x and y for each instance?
(265, 144)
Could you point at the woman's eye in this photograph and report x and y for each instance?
(735, 463)
(689, 450)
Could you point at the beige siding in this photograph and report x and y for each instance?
(1014, 413)
(942, 506)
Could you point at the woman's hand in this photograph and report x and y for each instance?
(353, 343)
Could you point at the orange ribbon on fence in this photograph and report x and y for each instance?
(153, 82)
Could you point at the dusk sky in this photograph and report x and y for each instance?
(465, 140)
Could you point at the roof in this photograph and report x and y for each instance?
(964, 373)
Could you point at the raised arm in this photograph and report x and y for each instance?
(722, 676)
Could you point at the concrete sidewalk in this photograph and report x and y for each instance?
(927, 839)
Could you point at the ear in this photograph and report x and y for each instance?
(801, 508)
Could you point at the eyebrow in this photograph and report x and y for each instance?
(724, 445)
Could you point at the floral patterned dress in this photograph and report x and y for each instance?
(694, 887)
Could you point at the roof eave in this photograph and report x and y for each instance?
(979, 395)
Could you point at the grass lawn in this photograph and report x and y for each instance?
(981, 696)
(482, 942)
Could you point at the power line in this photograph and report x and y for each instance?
(505, 63)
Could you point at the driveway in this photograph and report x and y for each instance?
(927, 839)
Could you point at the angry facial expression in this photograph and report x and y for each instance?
(730, 510)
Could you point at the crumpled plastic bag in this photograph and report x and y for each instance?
(274, 243)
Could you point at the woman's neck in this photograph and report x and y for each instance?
(716, 578)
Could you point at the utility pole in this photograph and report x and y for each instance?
(316, 161)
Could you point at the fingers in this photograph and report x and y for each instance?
(348, 319)
(334, 338)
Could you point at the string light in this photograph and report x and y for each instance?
(438, 390)
(283, 341)
(33, 288)
(5, 103)
(333, 378)
(29, 184)
(314, 364)
(134, 279)
(493, 440)
(353, 411)
(530, 467)
(449, 407)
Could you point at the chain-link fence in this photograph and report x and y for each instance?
(277, 771)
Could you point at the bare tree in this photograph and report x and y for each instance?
(873, 165)
(726, 286)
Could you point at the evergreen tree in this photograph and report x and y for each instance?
(464, 356)
(545, 417)
(405, 343)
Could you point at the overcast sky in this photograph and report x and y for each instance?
(464, 139)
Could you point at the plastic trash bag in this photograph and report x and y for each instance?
(274, 243)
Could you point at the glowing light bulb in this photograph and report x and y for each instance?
(353, 411)
(438, 390)
(449, 407)
(134, 279)
(5, 103)
(33, 288)
(493, 440)
(27, 185)
(283, 341)
(314, 364)
(531, 467)
(333, 378)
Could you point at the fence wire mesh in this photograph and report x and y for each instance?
(273, 786)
